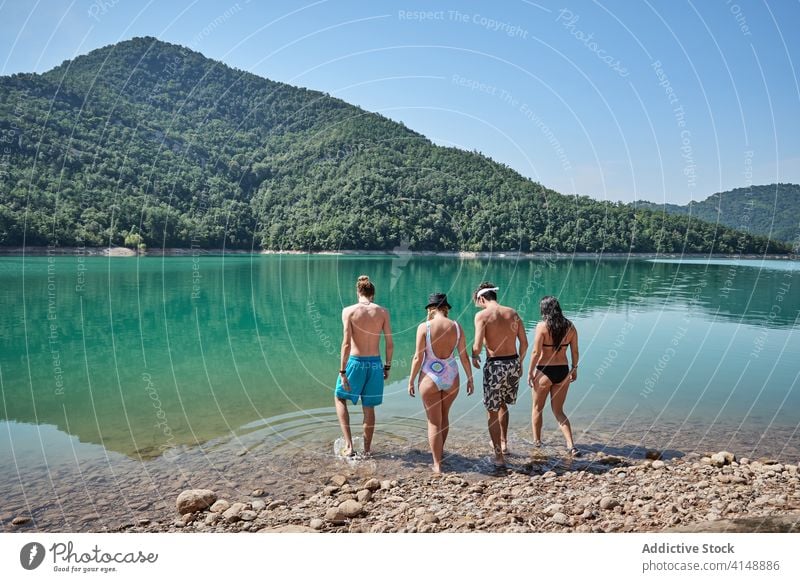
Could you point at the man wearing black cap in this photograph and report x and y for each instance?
(498, 328)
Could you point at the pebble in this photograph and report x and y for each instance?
(608, 503)
(338, 480)
(220, 506)
(334, 515)
(364, 496)
(658, 464)
(232, 514)
(351, 508)
(372, 485)
(553, 508)
(560, 519)
(316, 524)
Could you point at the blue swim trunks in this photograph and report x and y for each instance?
(365, 375)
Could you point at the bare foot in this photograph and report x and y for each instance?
(504, 447)
(436, 468)
(347, 451)
(499, 459)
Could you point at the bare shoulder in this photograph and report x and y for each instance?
(481, 316)
(347, 311)
(511, 313)
(572, 331)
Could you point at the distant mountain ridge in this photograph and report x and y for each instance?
(771, 210)
(146, 142)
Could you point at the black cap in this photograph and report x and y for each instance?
(438, 300)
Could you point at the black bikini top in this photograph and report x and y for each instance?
(559, 346)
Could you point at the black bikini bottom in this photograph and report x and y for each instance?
(557, 374)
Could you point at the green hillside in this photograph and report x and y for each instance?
(772, 210)
(145, 140)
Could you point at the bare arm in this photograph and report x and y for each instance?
(573, 350)
(416, 362)
(347, 338)
(522, 338)
(387, 338)
(477, 346)
(462, 352)
(536, 354)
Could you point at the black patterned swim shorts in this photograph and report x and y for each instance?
(501, 381)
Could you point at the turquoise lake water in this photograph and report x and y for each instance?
(141, 355)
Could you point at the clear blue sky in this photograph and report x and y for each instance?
(568, 93)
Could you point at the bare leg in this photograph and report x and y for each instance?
(542, 389)
(503, 417)
(432, 400)
(494, 433)
(557, 397)
(369, 427)
(344, 422)
(447, 401)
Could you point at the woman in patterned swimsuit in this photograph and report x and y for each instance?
(438, 374)
(550, 373)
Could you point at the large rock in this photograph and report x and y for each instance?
(193, 500)
(364, 496)
(351, 508)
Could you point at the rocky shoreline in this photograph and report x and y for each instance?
(598, 493)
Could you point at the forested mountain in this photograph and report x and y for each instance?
(145, 140)
(772, 210)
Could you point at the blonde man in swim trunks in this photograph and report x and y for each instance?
(361, 372)
(498, 328)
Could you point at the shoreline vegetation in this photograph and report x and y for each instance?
(40, 251)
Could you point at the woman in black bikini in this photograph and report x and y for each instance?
(550, 373)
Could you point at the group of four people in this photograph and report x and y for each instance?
(440, 344)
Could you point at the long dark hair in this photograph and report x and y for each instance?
(557, 324)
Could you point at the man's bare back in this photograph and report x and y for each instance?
(501, 326)
(366, 321)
